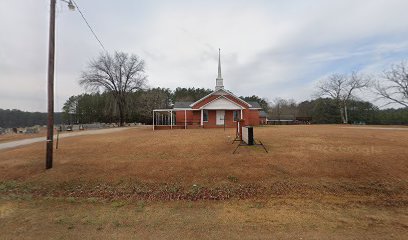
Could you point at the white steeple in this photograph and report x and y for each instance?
(219, 81)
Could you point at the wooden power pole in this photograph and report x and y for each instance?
(51, 63)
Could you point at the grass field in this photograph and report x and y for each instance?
(316, 182)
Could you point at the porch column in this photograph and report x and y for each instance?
(202, 114)
(171, 119)
(185, 119)
(241, 113)
(153, 120)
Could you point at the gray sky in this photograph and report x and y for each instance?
(268, 48)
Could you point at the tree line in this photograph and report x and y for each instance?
(117, 92)
(122, 79)
(13, 118)
(326, 111)
(101, 107)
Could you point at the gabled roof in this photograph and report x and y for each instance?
(228, 104)
(182, 105)
(255, 105)
(219, 90)
(187, 105)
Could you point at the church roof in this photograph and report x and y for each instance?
(182, 104)
(254, 104)
(216, 92)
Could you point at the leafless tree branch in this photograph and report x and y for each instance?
(119, 74)
(393, 85)
(341, 88)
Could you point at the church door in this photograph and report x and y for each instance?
(220, 117)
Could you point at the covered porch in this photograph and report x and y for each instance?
(219, 112)
(193, 118)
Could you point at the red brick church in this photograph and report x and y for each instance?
(221, 108)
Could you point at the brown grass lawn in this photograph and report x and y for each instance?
(316, 182)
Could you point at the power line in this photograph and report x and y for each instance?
(89, 26)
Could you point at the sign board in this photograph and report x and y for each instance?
(248, 135)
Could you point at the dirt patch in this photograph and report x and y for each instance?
(6, 209)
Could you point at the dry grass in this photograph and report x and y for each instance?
(315, 182)
(272, 219)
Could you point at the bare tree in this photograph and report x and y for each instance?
(118, 74)
(283, 108)
(394, 87)
(341, 87)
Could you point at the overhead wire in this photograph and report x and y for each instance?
(89, 26)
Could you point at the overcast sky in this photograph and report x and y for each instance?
(268, 48)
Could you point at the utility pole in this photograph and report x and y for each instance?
(51, 64)
(50, 92)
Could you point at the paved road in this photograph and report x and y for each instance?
(64, 135)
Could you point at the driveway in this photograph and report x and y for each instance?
(23, 142)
